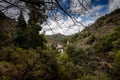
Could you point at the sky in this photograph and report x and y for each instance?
(66, 26)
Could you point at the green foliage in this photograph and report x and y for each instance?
(57, 38)
(91, 39)
(63, 58)
(116, 44)
(117, 58)
(102, 76)
(116, 67)
(73, 38)
(25, 64)
(92, 59)
(21, 25)
(5, 77)
(37, 16)
(70, 50)
(19, 37)
(33, 38)
(108, 42)
(30, 64)
(7, 70)
(80, 57)
(28, 37)
(88, 77)
(68, 71)
(98, 76)
(104, 45)
(4, 39)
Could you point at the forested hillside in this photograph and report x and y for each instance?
(92, 54)
(57, 38)
(99, 46)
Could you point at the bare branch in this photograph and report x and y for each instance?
(49, 27)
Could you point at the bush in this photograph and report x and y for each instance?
(70, 50)
(106, 43)
(6, 77)
(68, 71)
(80, 57)
(4, 39)
(116, 44)
(115, 72)
(88, 77)
(109, 41)
(98, 76)
(91, 39)
(7, 71)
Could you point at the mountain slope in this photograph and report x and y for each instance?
(103, 26)
(101, 40)
(56, 38)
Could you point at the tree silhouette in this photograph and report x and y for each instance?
(47, 8)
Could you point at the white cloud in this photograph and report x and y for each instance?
(114, 4)
(76, 6)
(95, 12)
(67, 26)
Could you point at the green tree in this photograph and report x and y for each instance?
(116, 67)
(19, 37)
(33, 38)
(21, 25)
(70, 50)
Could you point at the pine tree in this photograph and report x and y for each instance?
(21, 25)
(27, 35)
(19, 38)
(34, 39)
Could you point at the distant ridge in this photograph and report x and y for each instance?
(55, 37)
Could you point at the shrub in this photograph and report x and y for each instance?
(116, 44)
(98, 76)
(115, 71)
(91, 39)
(6, 77)
(109, 41)
(70, 50)
(88, 77)
(4, 39)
